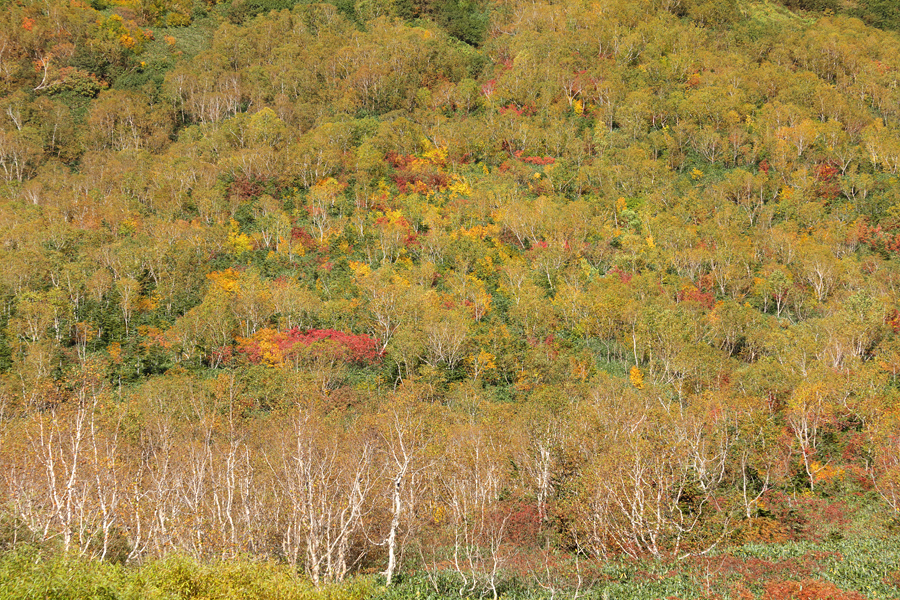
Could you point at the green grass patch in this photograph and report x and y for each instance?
(774, 14)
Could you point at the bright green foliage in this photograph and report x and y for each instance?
(25, 574)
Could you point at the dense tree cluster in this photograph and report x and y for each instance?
(447, 283)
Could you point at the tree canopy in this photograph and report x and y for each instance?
(344, 283)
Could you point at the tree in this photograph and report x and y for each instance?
(469, 487)
(808, 413)
(880, 141)
(129, 292)
(649, 483)
(123, 120)
(20, 152)
(409, 435)
(328, 482)
(885, 469)
(392, 301)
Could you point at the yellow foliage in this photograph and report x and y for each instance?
(577, 107)
(360, 269)
(486, 359)
(436, 156)
(438, 513)
(238, 242)
(393, 216)
(636, 377)
(127, 34)
(84, 332)
(479, 232)
(580, 369)
(115, 352)
(328, 186)
(148, 303)
(526, 380)
(459, 187)
(295, 246)
(482, 362)
(485, 266)
(129, 226)
(269, 352)
(825, 473)
(225, 280)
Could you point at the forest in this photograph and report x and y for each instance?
(450, 299)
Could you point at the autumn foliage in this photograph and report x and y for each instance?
(276, 348)
(522, 297)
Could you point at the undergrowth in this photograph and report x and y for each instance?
(835, 570)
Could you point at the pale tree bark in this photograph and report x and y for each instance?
(327, 480)
(405, 444)
(636, 484)
(471, 486)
